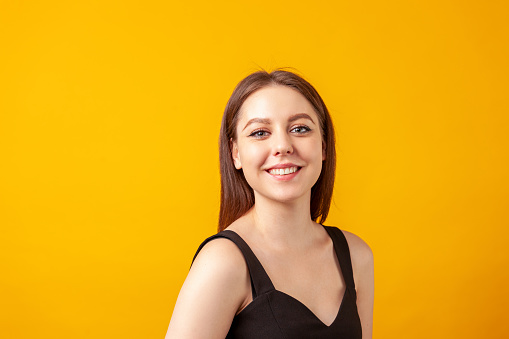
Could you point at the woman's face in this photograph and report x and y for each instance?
(279, 144)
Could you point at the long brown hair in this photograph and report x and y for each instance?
(237, 197)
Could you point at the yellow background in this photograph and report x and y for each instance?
(109, 119)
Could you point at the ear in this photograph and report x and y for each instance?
(235, 154)
(323, 150)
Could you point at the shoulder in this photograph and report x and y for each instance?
(215, 289)
(363, 274)
(360, 251)
(222, 256)
(221, 264)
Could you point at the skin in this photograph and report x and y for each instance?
(277, 125)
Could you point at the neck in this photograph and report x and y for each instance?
(283, 224)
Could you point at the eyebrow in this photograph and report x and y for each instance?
(257, 120)
(300, 116)
(268, 121)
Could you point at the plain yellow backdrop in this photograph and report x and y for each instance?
(109, 119)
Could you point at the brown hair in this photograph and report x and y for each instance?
(237, 197)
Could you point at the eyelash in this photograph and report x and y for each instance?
(305, 128)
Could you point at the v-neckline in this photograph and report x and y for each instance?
(311, 312)
(341, 272)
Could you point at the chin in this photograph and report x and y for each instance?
(287, 196)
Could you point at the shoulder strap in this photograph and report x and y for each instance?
(260, 281)
(343, 253)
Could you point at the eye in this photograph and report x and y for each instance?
(300, 129)
(259, 133)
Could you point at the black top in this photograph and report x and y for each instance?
(275, 314)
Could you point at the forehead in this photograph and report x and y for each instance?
(275, 102)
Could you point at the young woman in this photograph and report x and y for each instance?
(273, 270)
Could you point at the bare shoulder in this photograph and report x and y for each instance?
(360, 251)
(216, 287)
(220, 253)
(220, 268)
(363, 274)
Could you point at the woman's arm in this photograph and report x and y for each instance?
(363, 273)
(217, 286)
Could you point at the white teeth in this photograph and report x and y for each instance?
(283, 171)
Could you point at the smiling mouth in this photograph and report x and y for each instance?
(284, 171)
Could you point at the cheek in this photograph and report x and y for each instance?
(312, 150)
(251, 154)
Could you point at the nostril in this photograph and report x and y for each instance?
(283, 149)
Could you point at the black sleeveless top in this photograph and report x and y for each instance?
(274, 314)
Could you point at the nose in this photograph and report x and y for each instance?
(282, 145)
